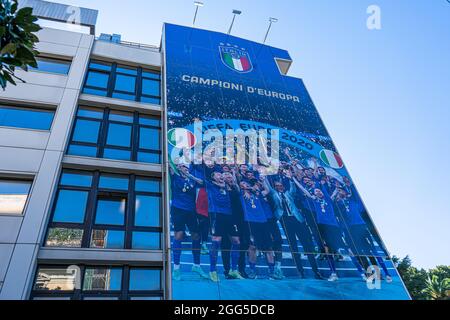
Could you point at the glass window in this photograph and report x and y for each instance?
(117, 154)
(107, 239)
(13, 196)
(119, 135)
(52, 65)
(124, 96)
(97, 79)
(71, 206)
(149, 121)
(111, 212)
(148, 185)
(146, 240)
(125, 83)
(151, 100)
(151, 74)
(27, 118)
(100, 66)
(149, 157)
(114, 182)
(147, 211)
(63, 237)
(56, 279)
(90, 113)
(151, 87)
(127, 70)
(86, 131)
(121, 116)
(84, 151)
(144, 280)
(149, 139)
(76, 179)
(102, 279)
(96, 92)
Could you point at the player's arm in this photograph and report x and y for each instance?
(197, 180)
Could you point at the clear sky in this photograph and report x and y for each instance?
(384, 95)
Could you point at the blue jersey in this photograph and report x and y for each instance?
(350, 211)
(253, 209)
(266, 207)
(219, 200)
(183, 192)
(325, 212)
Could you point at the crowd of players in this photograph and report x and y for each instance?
(238, 210)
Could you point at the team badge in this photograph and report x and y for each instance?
(235, 58)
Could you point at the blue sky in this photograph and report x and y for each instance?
(384, 95)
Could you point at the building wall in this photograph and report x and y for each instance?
(40, 155)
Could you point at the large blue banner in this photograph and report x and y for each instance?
(261, 204)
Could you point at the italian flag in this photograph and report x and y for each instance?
(331, 159)
(241, 64)
(181, 138)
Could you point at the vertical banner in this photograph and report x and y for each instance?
(261, 204)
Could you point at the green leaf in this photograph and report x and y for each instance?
(10, 48)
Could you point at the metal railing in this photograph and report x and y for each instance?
(132, 44)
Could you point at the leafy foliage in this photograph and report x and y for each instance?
(424, 285)
(17, 40)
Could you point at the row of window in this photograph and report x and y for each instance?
(106, 133)
(123, 82)
(105, 211)
(97, 283)
(111, 79)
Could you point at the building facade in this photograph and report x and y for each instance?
(86, 180)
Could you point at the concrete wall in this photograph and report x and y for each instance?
(37, 154)
(40, 155)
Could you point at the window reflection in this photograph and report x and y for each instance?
(63, 237)
(71, 206)
(107, 239)
(55, 279)
(26, 118)
(102, 279)
(111, 212)
(13, 196)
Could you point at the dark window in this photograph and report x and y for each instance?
(27, 118)
(123, 82)
(13, 196)
(116, 135)
(86, 282)
(97, 210)
(52, 65)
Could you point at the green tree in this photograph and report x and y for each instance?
(437, 289)
(17, 41)
(424, 285)
(414, 279)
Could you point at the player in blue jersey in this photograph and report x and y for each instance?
(359, 238)
(330, 231)
(183, 213)
(272, 225)
(255, 216)
(222, 224)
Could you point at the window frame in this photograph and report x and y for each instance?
(80, 294)
(112, 77)
(89, 224)
(102, 140)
